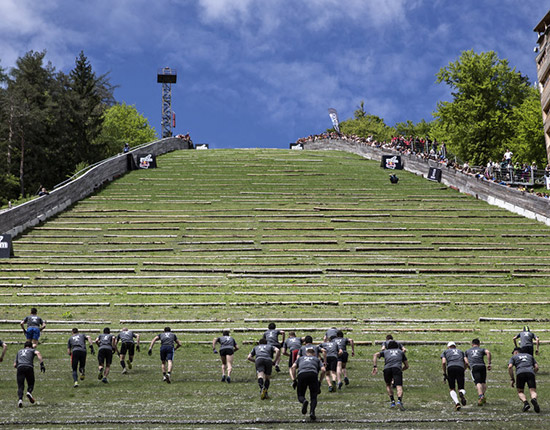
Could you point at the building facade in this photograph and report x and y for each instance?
(543, 73)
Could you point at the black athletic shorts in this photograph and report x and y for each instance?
(264, 365)
(526, 378)
(479, 373)
(105, 356)
(226, 351)
(307, 380)
(455, 377)
(527, 350)
(78, 359)
(332, 363)
(127, 347)
(344, 357)
(394, 374)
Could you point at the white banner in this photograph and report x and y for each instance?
(334, 117)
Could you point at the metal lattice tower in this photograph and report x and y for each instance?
(166, 76)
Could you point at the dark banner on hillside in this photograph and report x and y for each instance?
(146, 161)
(296, 146)
(6, 250)
(434, 174)
(391, 162)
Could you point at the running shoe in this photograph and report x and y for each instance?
(100, 375)
(526, 407)
(263, 396)
(30, 397)
(312, 417)
(124, 370)
(104, 380)
(277, 368)
(346, 380)
(294, 384)
(129, 363)
(480, 401)
(82, 375)
(75, 384)
(333, 385)
(228, 379)
(533, 401)
(304, 407)
(457, 407)
(168, 378)
(400, 406)
(330, 389)
(340, 384)
(223, 378)
(484, 400)
(392, 404)
(462, 399)
(164, 378)
(20, 403)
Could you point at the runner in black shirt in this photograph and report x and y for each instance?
(308, 368)
(228, 346)
(24, 363)
(167, 341)
(291, 347)
(106, 343)
(272, 337)
(526, 368)
(262, 356)
(476, 363)
(395, 362)
(341, 369)
(76, 348)
(453, 362)
(126, 338)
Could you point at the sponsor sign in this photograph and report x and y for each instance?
(434, 174)
(6, 250)
(146, 161)
(201, 146)
(391, 162)
(297, 146)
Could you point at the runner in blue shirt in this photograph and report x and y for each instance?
(35, 325)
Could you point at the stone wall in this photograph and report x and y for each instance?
(17, 219)
(516, 201)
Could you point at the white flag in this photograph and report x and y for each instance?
(334, 117)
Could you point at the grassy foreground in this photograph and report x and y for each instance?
(310, 240)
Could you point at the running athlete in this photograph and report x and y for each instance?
(228, 346)
(526, 338)
(291, 347)
(167, 341)
(262, 356)
(35, 325)
(333, 331)
(395, 362)
(331, 352)
(476, 363)
(453, 362)
(4, 349)
(526, 368)
(389, 338)
(272, 337)
(308, 343)
(106, 343)
(126, 338)
(341, 370)
(308, 368)
(76, 348)
(24, 363)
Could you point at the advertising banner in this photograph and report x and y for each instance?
(391, 162)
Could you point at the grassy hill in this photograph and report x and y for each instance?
(238, 238)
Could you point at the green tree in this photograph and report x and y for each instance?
(122, 124)
(364, 125)
(485, 90)
(527, 143)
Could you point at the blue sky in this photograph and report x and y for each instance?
(262, 73)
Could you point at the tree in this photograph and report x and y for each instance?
(527, 143)
(123, 123)
(408, 128)
(476, 124)
(364, 125)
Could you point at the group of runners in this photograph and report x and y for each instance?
(309, 364)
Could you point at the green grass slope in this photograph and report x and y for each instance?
(307, 239)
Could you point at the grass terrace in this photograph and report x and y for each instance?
(308, 239)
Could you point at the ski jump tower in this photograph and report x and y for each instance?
(167, 76)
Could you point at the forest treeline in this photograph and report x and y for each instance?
(52, 124)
